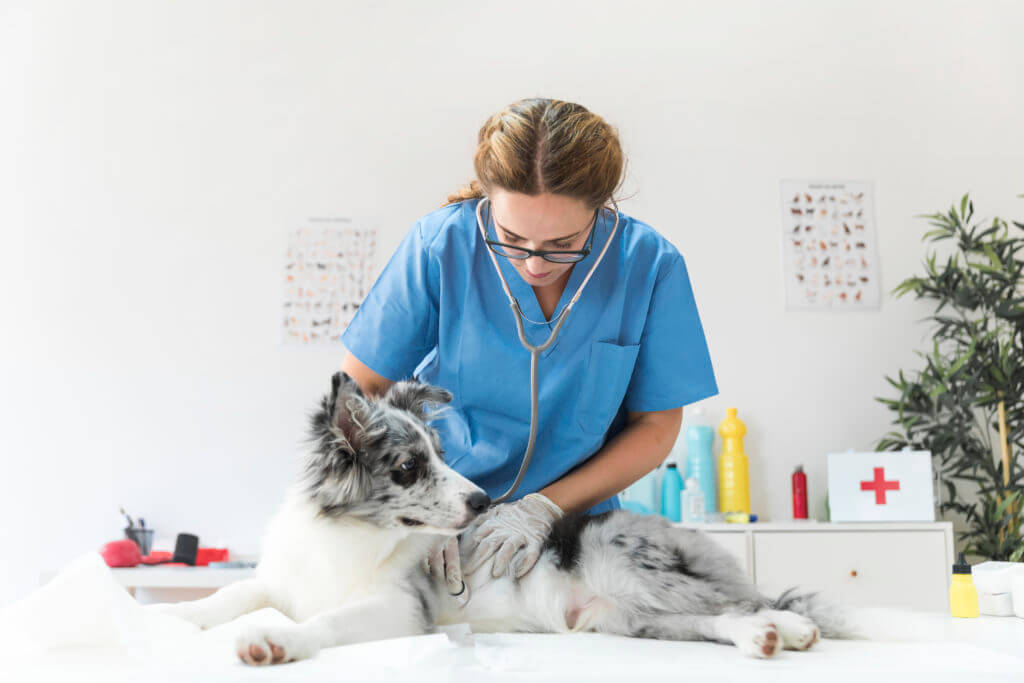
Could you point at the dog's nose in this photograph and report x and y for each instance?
(478, 501)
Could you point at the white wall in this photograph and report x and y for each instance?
(151, 155)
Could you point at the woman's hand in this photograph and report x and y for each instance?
(514, 533)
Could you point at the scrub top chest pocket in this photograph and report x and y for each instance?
(604, 385)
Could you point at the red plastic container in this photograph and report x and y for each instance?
(157, 557)
(799, 493)
(204, 556)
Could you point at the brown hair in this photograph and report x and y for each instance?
(539, 145)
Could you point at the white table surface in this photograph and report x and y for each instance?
(1002, 634)
(83, 627)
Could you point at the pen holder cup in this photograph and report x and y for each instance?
(142, 537)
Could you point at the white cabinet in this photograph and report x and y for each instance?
(860, 565)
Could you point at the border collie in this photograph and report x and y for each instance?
(345, 556)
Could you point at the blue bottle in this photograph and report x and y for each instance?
(642, 495)
(700, 463)
(671, 489)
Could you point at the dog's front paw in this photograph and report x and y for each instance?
(756, 637)
(261, 645)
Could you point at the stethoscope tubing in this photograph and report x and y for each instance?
(534, 350)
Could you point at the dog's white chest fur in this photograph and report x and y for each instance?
(314, 563)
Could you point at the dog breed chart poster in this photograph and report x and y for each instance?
(329, 268)
(829, 246)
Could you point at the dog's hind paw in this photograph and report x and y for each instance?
(797, 631)
(262, 646)
(803, 637)
(757, 637)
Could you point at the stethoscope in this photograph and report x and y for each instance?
(535, 351)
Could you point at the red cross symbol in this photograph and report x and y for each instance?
(879, 485)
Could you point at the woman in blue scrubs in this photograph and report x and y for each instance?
(611, 388)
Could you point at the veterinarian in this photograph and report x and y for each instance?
(613, 384)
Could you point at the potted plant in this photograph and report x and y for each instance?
(966, 405)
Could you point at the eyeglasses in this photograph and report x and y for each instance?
(553, 256)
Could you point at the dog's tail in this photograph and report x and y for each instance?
(866, 623)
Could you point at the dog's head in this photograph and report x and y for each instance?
(379, 460)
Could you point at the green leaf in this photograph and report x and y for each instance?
(986, 269)
(990, 252)
(962, 360)
(896, 385)
(1001, 510)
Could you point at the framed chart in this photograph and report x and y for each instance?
(829, 246)
(329, 268)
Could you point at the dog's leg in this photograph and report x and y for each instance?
(376, 618)
(797, 631)
(230, 602)
(754, 634)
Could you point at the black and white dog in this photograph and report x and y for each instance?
(345, 556)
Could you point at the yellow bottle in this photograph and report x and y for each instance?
(733, 478)
(963, 596)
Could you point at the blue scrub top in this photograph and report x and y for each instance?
(633, 342)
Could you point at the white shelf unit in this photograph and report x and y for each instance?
(179, 577)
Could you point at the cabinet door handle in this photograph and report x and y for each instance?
(853, 572)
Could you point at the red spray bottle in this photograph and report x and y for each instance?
(799, 493)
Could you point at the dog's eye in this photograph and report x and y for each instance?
(407, 472)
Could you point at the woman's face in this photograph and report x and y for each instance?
(542, 222)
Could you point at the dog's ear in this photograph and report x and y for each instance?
(414, 396)
(349, 411)
(342, 382)
(337, 474)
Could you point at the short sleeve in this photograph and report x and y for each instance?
(673, 366)
(396, 325)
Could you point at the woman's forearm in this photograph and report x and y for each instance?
(635, 451)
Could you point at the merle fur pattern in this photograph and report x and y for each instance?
(344, 557)
(371, 459)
